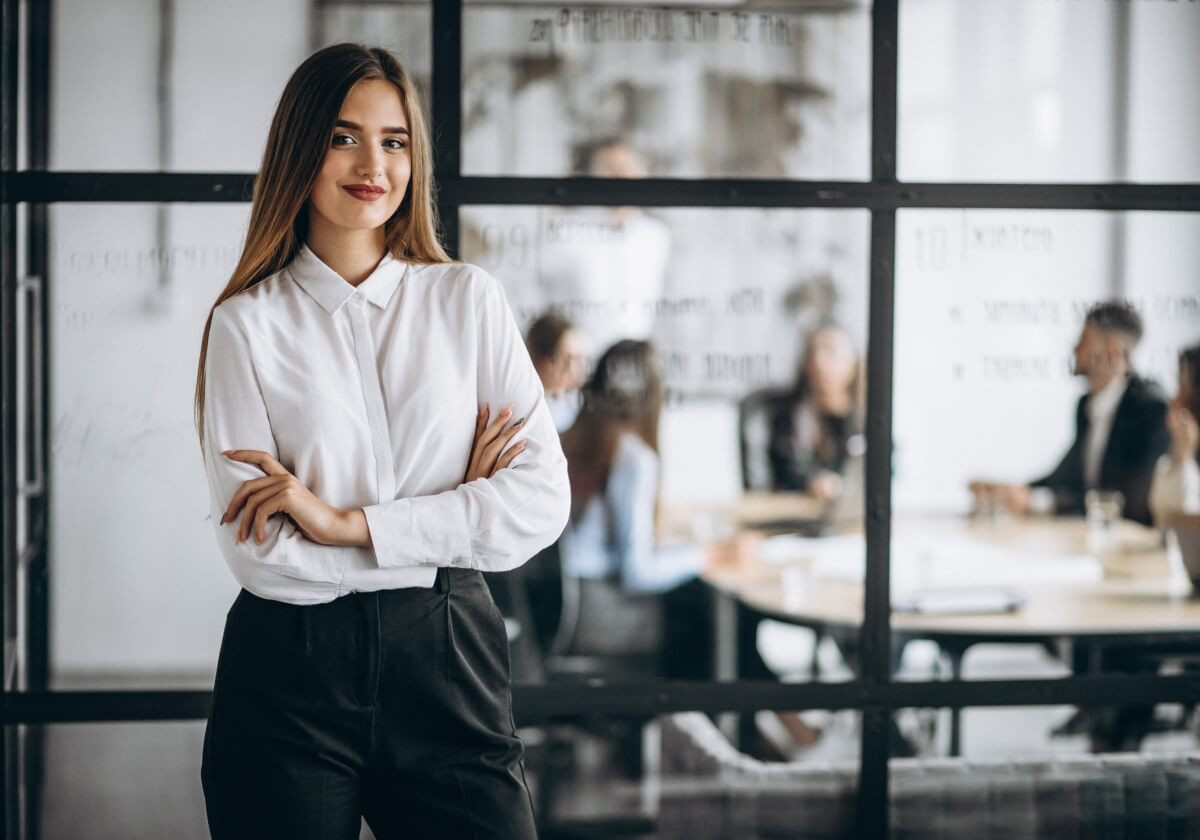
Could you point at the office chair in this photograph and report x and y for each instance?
(755, 412)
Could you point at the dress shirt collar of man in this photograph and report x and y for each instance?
(331, 290)
(1104, 402)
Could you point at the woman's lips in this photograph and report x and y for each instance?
(364, 192)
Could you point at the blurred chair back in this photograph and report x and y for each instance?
(605, 630)
(754, 436)
(529, 599)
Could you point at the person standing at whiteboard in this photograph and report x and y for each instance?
(605, 268)
(374, 436)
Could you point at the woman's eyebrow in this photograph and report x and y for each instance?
(356, 127)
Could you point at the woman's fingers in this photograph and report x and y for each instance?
(271, 505)
(493, 450)
(481, 462)
(481, 421)
(508, 456)
(248, 488)
(253, 503)
(488, 450)
(263, 460)
(493, 429)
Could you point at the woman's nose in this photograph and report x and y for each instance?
(370, 161)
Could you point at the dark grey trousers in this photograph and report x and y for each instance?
(394, 706)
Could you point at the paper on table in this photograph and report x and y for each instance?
(937, 562)
(960, 601)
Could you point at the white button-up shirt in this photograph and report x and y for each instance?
(1101, 409)
(368, 395)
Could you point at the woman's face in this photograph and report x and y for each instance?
(368, 163)
(566, 369)
(831, 361)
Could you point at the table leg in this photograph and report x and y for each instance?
(955, 656)
(725, 654)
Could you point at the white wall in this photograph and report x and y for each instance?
(988, 302)
(1161, 258)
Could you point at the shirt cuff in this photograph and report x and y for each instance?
(423, 531)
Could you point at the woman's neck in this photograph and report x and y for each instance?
(832, 402)
(352, 253)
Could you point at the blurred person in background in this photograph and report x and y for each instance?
(557, 351)
(1120, 428)
(1176, 485)
(816, 428)
(605, 268)
(613, 464)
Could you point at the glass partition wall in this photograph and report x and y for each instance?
(952, 183)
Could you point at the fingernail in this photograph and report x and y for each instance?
(519, 422)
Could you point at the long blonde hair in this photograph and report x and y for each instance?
(295, 151)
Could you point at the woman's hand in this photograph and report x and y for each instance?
(735, 554)
(1185, 433)
(488, 453)
(826, 485)
(279, 492)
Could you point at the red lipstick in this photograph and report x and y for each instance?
(364, 192)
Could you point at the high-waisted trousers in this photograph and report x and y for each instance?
(394, 706)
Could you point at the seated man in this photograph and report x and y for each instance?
(1120, 427)
(1120, 432)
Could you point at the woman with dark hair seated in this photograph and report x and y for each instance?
(818, 426)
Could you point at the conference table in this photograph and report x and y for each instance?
(965, 581)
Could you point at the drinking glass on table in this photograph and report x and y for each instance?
(1103, 512)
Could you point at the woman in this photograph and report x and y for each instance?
(359, 485)
(1176, 484)
(612, 458)
(817, 426)
(556, 348)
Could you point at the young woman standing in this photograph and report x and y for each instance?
(360, 483)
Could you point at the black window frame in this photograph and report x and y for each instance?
(874, 693)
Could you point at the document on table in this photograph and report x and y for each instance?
(952, 565)
(966, 601)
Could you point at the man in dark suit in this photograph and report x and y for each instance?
(1120, 426)
(1120, 430)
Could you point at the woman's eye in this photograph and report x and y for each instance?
(338, 138)
(395, 143)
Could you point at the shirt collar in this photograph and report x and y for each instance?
(331, 290)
